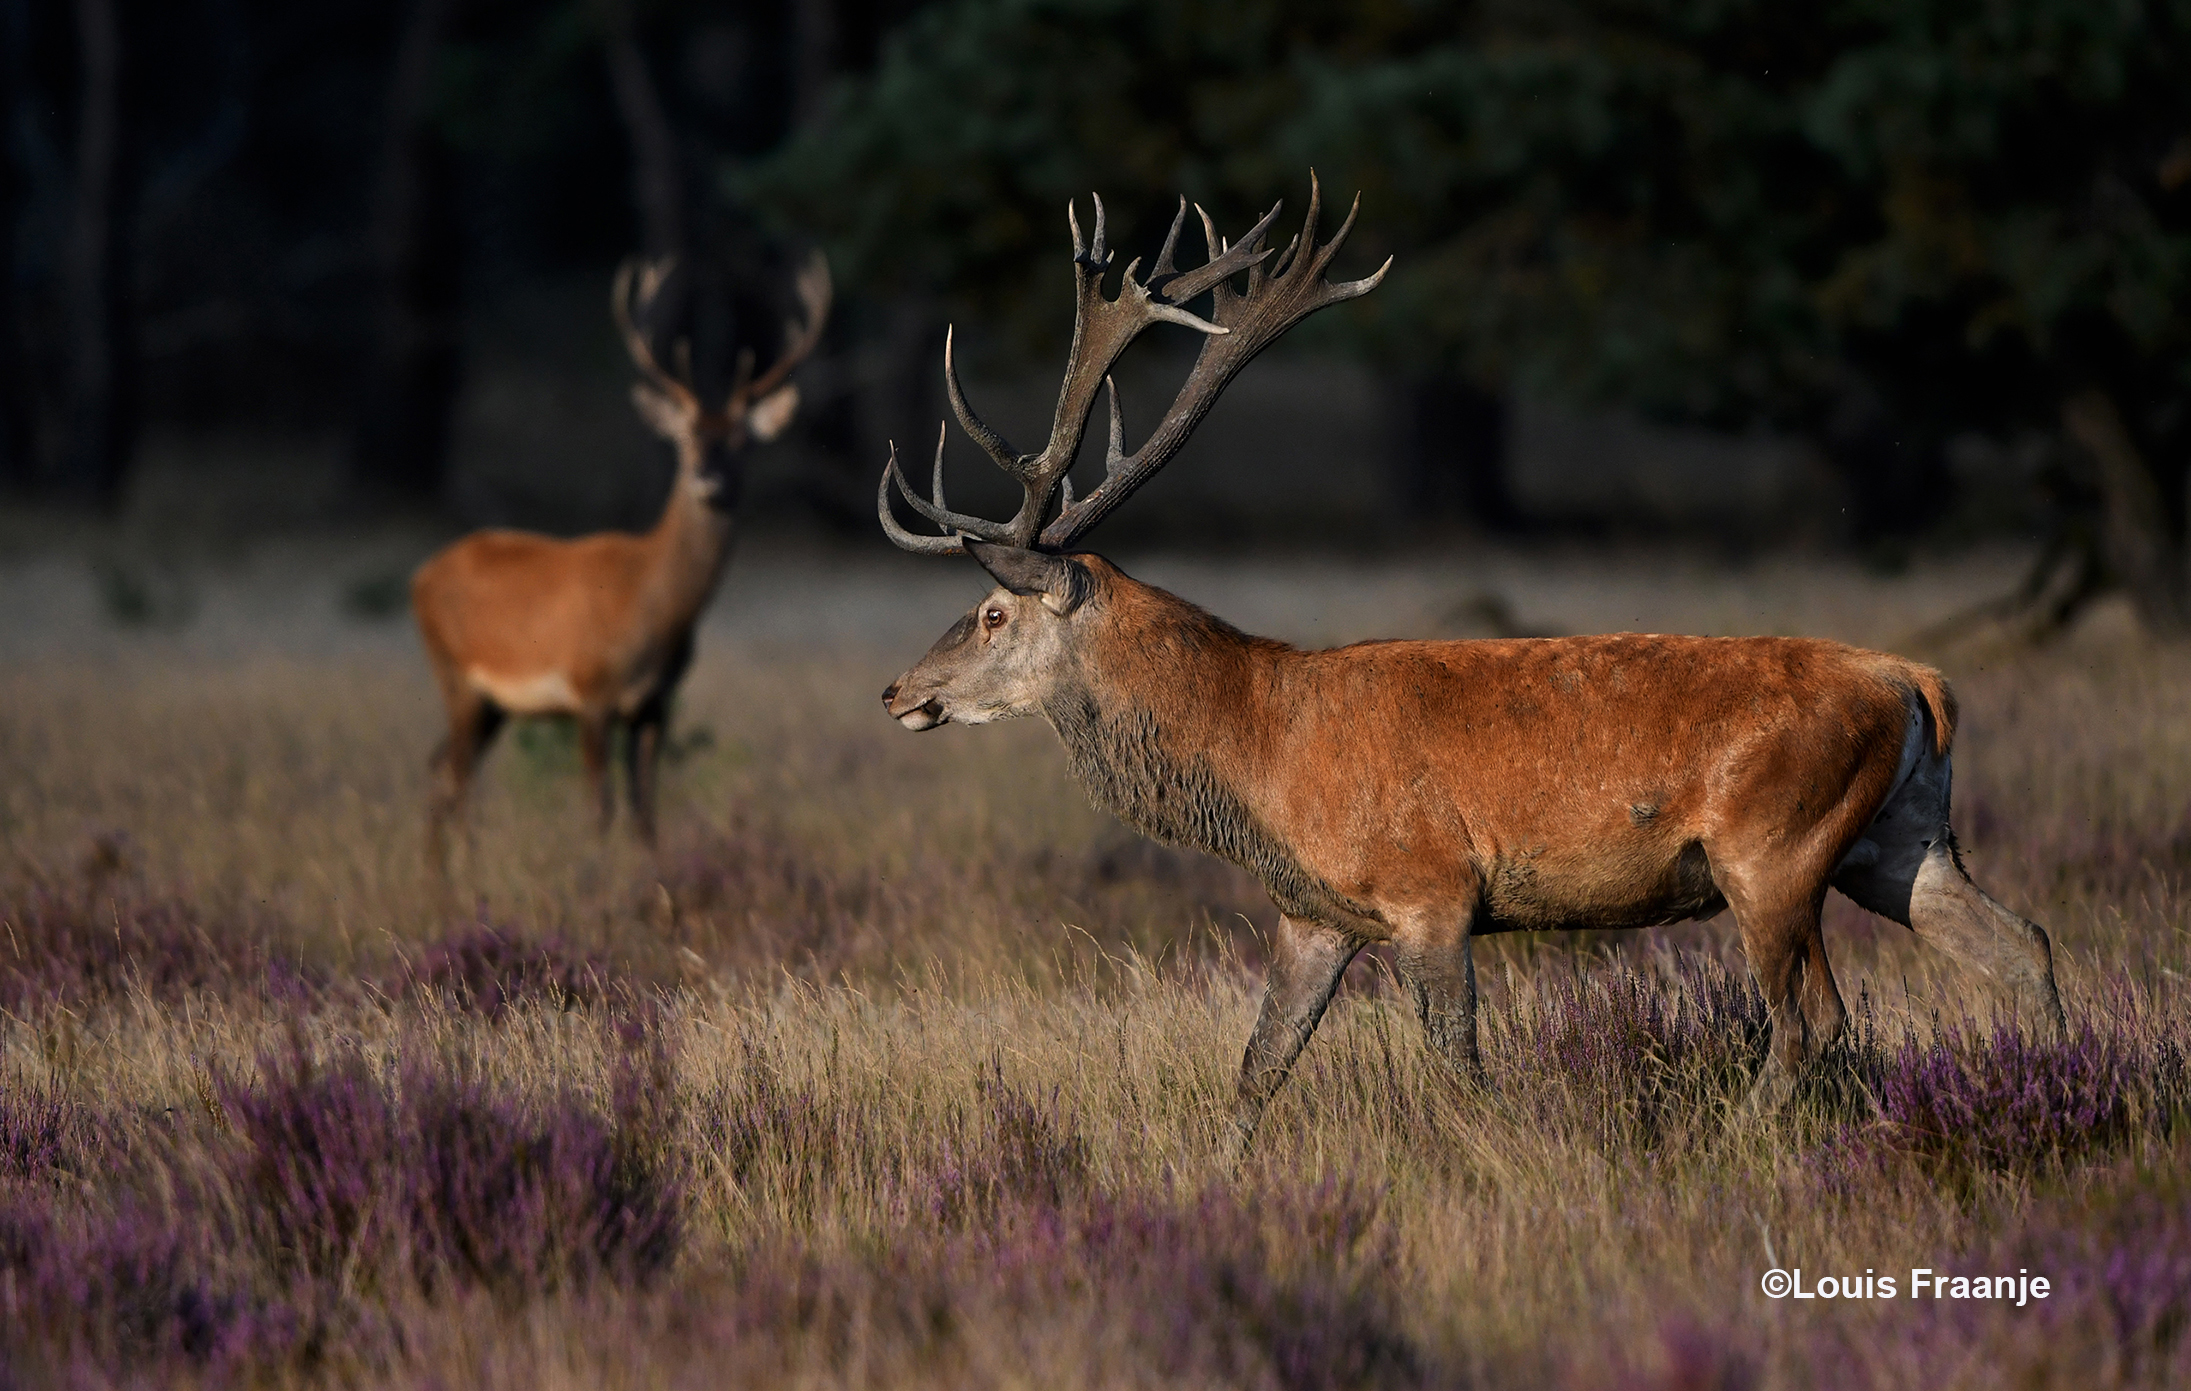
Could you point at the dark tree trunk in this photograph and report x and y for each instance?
(99, 429)
(401, 444)
(2141, 536)
(814, 57)
(839, 491)
(18, 469)
(2120, 526)
(1452, 459)
(657, 179)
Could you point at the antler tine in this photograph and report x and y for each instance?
(903, 539)
(1223, 296)
(800, 339)
(998, 449)
(1115, 453)
(1098, 255)
(1301, 251)
(938, 513)
(1339, 238)
(1225, 261)
(1276, 299)
(1318, 258)
(650, 275)
(1163, 266)
(935, 479)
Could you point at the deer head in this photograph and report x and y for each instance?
(758, 407)
(997, 660)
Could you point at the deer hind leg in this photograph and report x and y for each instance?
(593, 755)
(473, 721)
(1779, 924)
(1307, 959)
(1437, 961)
(1905, 867)
(642, 765)
(1824, 1016)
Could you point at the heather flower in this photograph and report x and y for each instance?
(1207, 1297)
(339, 1172)
(42, 1133)
(1019, 1151)
(1652, 1046)
(130, 1285)
(807, 1144)
(68, 946)
(2001, 1102)
(487, 969)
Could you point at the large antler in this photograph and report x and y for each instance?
(1241, 326)
(638, 284)
(799, 338)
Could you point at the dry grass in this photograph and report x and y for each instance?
(920, 1067)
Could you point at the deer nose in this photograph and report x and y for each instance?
(889, 693)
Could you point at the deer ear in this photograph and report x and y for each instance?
(772, 413)
(664, 414)
(1063, 582)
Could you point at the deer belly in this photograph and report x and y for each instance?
(543, 693)
(1536, 891)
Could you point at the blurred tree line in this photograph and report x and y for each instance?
(1886, 225)
(222, 212)
(1882, 224)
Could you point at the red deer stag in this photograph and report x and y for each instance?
(1422, 793)
(600, 627)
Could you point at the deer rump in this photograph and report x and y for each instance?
(1548, 783)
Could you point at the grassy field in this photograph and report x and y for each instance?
(901, 1066)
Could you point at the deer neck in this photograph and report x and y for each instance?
(1168, 721)
(688, 548)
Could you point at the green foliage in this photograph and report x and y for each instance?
(948, 169)
(1937, 215)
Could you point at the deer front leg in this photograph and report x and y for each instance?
(1307, 959)
(1437, 960)
(473, 721)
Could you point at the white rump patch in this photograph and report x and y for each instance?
(549, 693)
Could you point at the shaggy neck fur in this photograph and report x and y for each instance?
(1186, 767)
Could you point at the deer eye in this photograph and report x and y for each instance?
(992, 617)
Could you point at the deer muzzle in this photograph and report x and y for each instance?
(914, 715)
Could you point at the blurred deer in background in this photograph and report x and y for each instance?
(1424, 793)
(600, 628)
